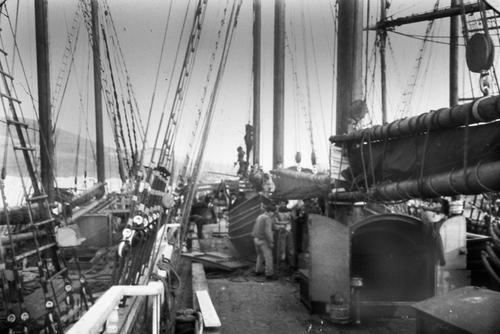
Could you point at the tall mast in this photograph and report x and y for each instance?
(383, 78)
(349, 61)
(256, 80)
(44, 105)
(99, 134)
(453, 57)
(279, 84)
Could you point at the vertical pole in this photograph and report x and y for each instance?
(349, 61)
(453, 57)
(44, 101)
(279, 84)
(383, 78)
(256, 80)
(99, 134)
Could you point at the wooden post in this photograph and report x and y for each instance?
(453, 57)
(279, 84)
(99, 134)
(256, 80)
(44, 100)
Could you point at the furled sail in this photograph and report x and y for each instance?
(290, 184)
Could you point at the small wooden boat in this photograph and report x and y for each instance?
(241, 220)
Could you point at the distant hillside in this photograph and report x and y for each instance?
(65, 153)
(65, 156)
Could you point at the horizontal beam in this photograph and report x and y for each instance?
(474, 180)
(432, 15)
(484, 109)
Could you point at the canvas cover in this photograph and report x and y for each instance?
(422, 155)
(290, 184)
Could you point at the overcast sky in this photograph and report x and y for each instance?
(141, 24)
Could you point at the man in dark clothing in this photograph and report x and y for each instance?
(240, 198)
(199, 221)
(264, 242)
(243, 165)
(202, 213)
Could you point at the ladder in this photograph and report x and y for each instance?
(37, 218)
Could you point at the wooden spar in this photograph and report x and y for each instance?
(256, 80)
(279, 84)
(96, 191)
(349, 61)
(44, 102)
(99, 133)
(453, 57)
(383, 78)
(453, 10)
(475, 180)
(481, 110)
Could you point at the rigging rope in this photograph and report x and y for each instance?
(109, 17)
(164, 107)
(166, 153)
(117, 114)
(65, 70)
(156, 77)
(308, 115)
(320, 96)
(408, 93)
(209, 118)
(298, 95)
(33, 159)
(191, 145)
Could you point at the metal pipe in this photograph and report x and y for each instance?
(481, 110)
(94, 319)
(478, 179)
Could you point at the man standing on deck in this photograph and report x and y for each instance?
(264, 242)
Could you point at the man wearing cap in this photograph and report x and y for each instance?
(264, 242)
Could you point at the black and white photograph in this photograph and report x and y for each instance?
(249, 166)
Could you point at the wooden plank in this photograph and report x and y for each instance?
(224, 264)
(219, 254)
(210, 317)
(199, 278)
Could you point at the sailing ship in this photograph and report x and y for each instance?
(351, 238)
(45, 239)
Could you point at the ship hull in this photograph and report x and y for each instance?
(241, 221)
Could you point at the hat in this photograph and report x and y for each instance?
(270, 207)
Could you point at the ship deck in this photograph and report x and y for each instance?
(245, 305)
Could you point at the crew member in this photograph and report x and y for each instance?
(243, 165)
(264, 242)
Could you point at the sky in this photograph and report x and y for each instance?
(309, 100)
